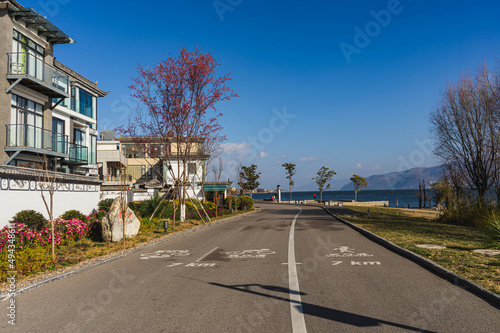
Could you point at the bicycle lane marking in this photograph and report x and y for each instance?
(296, 311)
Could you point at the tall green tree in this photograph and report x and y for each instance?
(322, 178)
(249, 178)
(359, 183)
(290, 171)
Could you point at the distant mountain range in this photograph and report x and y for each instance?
(408, 179)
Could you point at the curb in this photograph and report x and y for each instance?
(439, 270)
(5, 296)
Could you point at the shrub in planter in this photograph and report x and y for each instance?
(94, 232)
(32, 219)
(208, 205)
(234, 200)
(105, 204)
(73, 214)
(148, 225)
(29, 260)
(246, 201)
(134, 206)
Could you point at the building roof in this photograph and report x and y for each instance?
(149, 139)
(44, 27)
(81, 79)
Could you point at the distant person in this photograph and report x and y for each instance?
(314, 196)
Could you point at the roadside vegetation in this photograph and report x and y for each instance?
(407, 229)
(78, 237)
(466, 129)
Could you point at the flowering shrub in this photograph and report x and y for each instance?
(25, 237)
(96, 216)
(72, 230)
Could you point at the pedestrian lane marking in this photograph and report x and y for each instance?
(345, 252)
(249, 254)
(164, 254)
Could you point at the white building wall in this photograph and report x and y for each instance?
(18, 195)
(195, 191)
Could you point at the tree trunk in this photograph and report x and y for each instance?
(52, 225)
(419, 195)
(425, 193)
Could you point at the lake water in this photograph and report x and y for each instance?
(403, 197)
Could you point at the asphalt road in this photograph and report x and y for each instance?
(283, 269)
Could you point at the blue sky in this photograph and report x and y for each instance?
(301, 99)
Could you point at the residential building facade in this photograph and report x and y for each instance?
(48, 118)
(149, 163)
(111, 161)
(46, 108)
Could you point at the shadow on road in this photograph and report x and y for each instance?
(319, 311)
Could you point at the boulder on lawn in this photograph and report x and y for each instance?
(112, 223)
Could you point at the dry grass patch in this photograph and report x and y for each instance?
(408, 229)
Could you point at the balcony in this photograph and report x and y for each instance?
(78, 154)
(32, 139)
(34, 73)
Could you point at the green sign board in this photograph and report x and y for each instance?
(213, 188)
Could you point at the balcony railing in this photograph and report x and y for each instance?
(78, 153)
(29, 136)
(22, 64)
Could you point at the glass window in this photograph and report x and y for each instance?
(192, 168)
(86, 105)
(156, 151)
(59, 137)
(27, 56)
(24, 44)
(26, 125)
(132, 150)
(79, 137)
(93, 149)
(135, 171)
(26, 111)
(75, 106)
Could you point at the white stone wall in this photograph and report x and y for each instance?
(17, 195)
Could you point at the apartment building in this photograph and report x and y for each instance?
(48, 118)
(46, 108)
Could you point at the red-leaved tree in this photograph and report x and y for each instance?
(180, 114)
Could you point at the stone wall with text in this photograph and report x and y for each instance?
(21, 189)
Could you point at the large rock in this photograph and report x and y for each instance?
(112, 223)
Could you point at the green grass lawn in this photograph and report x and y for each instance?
(408, 229)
